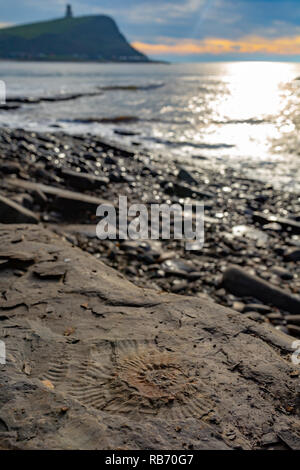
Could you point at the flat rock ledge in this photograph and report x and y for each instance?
(94, 362)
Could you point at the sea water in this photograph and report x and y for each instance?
(244, 115)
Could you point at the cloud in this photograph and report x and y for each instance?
(166, 12)
(218, 46)
(46, 5)
(183, 27)
(145, 12)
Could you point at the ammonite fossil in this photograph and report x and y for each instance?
(135, 378)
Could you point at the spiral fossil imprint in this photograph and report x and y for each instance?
(135, 378)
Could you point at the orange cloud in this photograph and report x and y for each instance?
(248, 45)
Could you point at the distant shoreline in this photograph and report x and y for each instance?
(90, 61)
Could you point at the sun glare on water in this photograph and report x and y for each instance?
(255, 89)
(253, 109)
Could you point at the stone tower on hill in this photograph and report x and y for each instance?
(69, 12)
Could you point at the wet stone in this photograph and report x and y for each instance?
(273, 226)
(241, 283)
(287, 224)
(178, 286)
(282, 273)
(84, 180)
(177, 266)
(292, 319)
(186, 176)
(293, 255)
(10, 168)
(241, 231)
(193, 276)
(263, 309)
(294, 330)
(11, 212)
(238, 306)
(275, 316)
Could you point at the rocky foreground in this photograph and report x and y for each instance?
(250, 228)
(94, 362)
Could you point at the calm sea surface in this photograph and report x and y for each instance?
(245, 115)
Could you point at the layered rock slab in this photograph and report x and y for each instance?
(94, 362)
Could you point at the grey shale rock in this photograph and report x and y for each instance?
(184, 190)
(67, 201)
(293, 254)
(283, 273)
(293, 319)
(11, 212)
(294, 330)
(186, 176)
(289, 224)
(237, 281)
(78, 345)
(84, 181)
(263, 309)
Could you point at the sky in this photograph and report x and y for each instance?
(186, 30)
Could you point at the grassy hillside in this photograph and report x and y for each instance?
(83, 38)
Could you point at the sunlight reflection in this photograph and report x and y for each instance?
(254, 90)
(250, 110)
